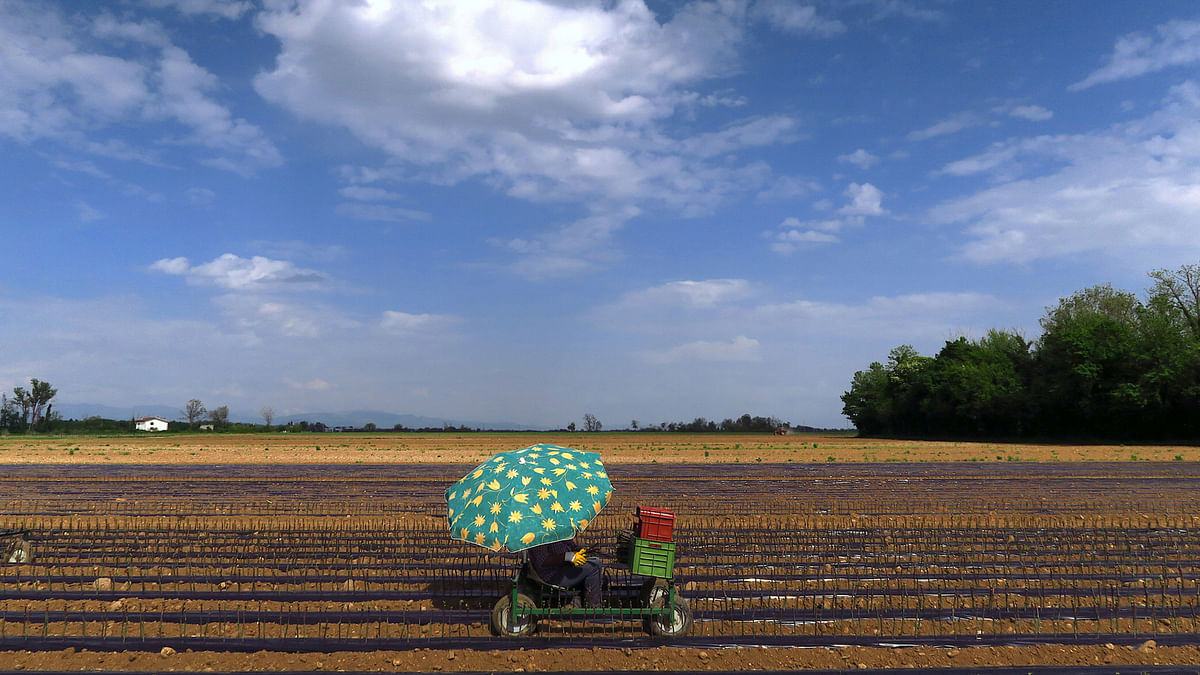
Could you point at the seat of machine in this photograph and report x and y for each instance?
(531, 574)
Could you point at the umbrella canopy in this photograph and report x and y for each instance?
(528, 497)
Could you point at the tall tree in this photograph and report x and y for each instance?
(33, 401)
(268, 414)
(219, 416)
(590, 423)
(1087, 380)
(41, 394)
(1180, 289)
(195, 411)
(8, 412)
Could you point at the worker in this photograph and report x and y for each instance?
(564, 563)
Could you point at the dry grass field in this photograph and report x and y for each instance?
(616, 447)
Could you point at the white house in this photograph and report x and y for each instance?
(150, 424)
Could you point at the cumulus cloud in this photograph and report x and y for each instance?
(740, 348)
(546, 101)
(63, 85)
(797, 18)
(706, 294)
(236, 273)
(865, 200)
(1174, 43)
(860, 158)
(793, 234)
(1129, 190)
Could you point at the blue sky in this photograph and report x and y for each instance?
(527, 211)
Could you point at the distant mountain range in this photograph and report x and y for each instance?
(345, 418)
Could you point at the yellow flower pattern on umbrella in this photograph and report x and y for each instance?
(494, 507)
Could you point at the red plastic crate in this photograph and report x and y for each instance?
(655, 524)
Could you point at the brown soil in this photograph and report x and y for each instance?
(617, 448)
(610, 659)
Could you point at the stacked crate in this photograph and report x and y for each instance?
(653, 550)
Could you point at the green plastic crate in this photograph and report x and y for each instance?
(653, 558)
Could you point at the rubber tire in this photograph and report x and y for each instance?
(20, 553)
(499, 626)
(654, 596)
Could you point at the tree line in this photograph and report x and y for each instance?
(744, 424)
(28, 409)
(1106, 366)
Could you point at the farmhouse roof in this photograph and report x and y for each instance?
(147, 419)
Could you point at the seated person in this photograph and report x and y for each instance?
(563, 563)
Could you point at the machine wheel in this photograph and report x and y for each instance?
(502, 624)
(654, 595)
(19, 552)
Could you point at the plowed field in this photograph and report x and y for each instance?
(325, 552)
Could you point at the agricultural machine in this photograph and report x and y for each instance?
(647, 553)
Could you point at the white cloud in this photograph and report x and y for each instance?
(225, 9)
(860, 158)
(794, 234)
(790, 240)
(794, 17)
(740, 348)
(789, 187)
(865, 200)
(546, 101)
(316, 384)
(1174, 43)
(1130, 191)
(570, 249)
(267, 318)
(60, 84)
(233, 272)
(997, 155)
(404, 324)
(744, 134)
(367, 194)
(380, 212)
(706, 294)
(950, 125)
(1033, 113)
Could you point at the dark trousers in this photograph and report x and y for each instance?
(588, 575)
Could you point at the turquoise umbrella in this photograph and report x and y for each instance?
(528, 497)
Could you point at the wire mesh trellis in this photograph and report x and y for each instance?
(358, 554)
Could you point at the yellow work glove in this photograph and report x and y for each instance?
(580, 558)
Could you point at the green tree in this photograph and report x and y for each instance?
(1179, 290)
(1086, 376)
(867, 404)
(33, 402)
(979, 387)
